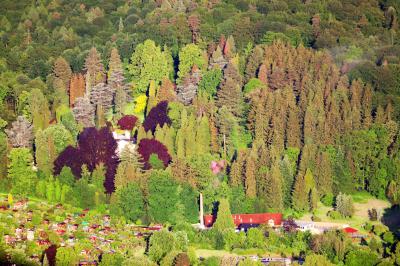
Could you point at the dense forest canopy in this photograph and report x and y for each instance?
(259, 105)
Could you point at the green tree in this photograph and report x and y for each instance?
(210, 81)
(111, 259)
(189, 56)
(161, 186)
(66, 256)
(160, 244)
(20, 171)
(39, 110)
(148, 63)
(66, 176)
(361, 257)
(317, 260)
(344, 205)
(131, 201)
(224, 220)
(203, 136)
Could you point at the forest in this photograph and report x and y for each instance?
(259, 106)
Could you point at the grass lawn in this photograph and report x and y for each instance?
(206, 253)
(362, 203)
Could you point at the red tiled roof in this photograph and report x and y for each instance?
(350, 230)
(256, 218)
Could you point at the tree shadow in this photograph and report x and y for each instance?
(391, 218)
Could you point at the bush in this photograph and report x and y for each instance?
(335, 215)
(211, 261)
(373, 214)
(380, 229)
(368, 227)
(328, 200)
(315, 218)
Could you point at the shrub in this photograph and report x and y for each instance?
(127, 122)
(380, 229)
(328, 200)
(335, 215)
(373, 214)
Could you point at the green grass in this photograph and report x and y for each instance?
(361, 197)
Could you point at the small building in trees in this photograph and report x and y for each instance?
(250, 220)
(122, 137)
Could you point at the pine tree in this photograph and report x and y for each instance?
(203, 137)
(62, 71)
(224, 220)
(21, 133)
(303, 185)
(273, 193)
(120, 25)
(187, 90)
(324, 173)
(76, 88)
(236, 173)
(166, 92)
(253, 63)
(39, 109)
(102, 95)
(217, 60)
(250, 175)
(230, 93)
(84, 112)
(94, 69)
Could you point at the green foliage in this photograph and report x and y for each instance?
(224, 220)
(189, 56)
(149, 63)
(130, 201)
(210, 81)
(161, 243)
(20, 172)
(111, 259)
(361, 257)
(317, 260)
(66, 256)
(155, 162)
(253, 84)
(344, 205)
(161, 186)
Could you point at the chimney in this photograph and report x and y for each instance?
(201, 212)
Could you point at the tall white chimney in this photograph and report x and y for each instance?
(201, 213)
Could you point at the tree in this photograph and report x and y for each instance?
(161, 243)
(94, 69)
(111, 259)
(230, 92)
(301, 191)
(187, 90)
(102, 95)
(273, 193)
(39, 110)
(194, 25)
(250, 175)
(20, 171)
(148, 63)
(62, 71)
(130, 200)
(161, 186)
(84, 112)
(129, 168)
(66, 256)
(21, 133)
(344, 205)
(210, 81)
(76, 88)
(95, 146)
(224, 221)
(158, 115)
(127, 122)
(361, 257)
(152, 146)
(189, 56)
(203, 136)
(49, 144)
(317, 260)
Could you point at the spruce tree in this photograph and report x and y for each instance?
(94, 69)
(84, 112)
(224, 220)
(250, 175)
(203, 137)
(273, 193)
(62, 71)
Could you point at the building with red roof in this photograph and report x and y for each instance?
(272, 219)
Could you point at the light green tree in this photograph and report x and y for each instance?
(149, 63)
(20, 171)
(189, 56)
(224, 220)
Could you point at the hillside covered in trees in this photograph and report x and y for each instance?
(275, 106)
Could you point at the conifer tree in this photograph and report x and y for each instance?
(273, 193)
(224, 220)
(62, 71)
(102, 95)
(76, 88)
(253, 63)
(303, 185)
(84, 112)
(203, 137)
(21, 133)
(94, 69)
(166, 92)
(324, 174)
(230, 93)
(39, 109)
(250, 175)
(237, 169)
